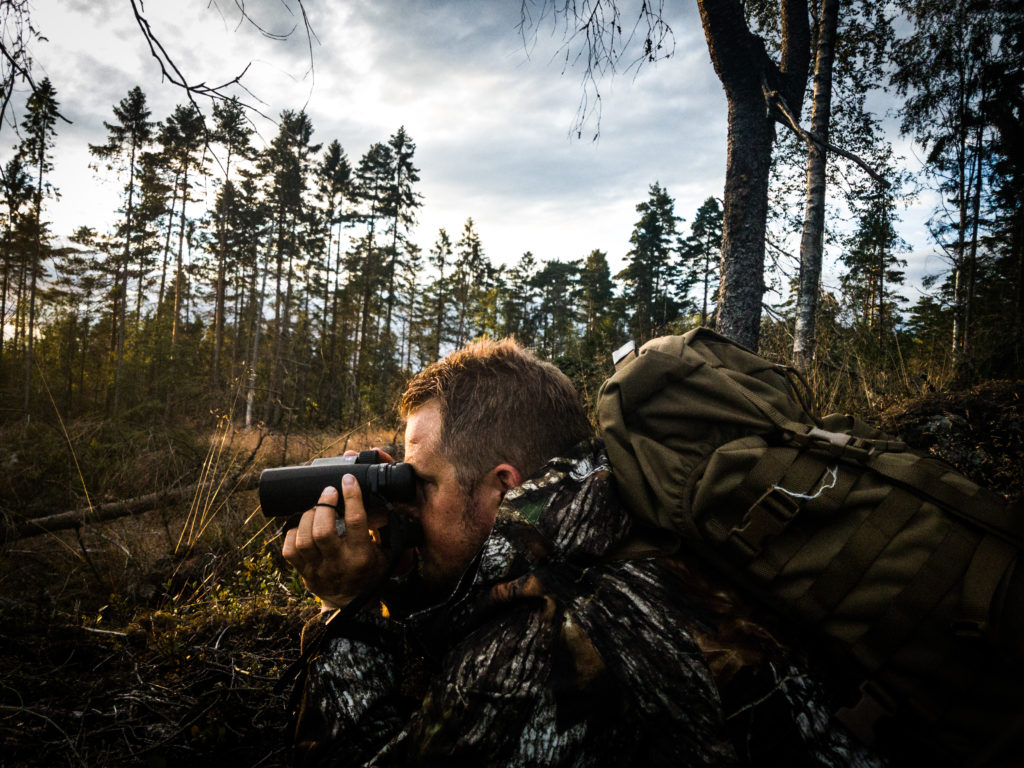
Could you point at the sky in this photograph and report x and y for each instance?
(493, 111)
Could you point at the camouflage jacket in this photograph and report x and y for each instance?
(552, 650)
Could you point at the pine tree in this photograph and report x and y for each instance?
(17, 193)
(334, 188)
(402, 204)
(366, 261)
(39, 129)
(287, 166)
(232, 132)
(939, 69)
(183, 139)
(126, 143)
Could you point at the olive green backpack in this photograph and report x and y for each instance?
(891, 556)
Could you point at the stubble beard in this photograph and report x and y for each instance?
(439, 577)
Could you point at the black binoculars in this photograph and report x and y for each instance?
(290, 491)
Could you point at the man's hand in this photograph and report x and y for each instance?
(335, 569)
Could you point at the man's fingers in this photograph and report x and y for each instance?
(304, 534)
(324, 516)
(288, 550)
(382, 455)
(355, 514)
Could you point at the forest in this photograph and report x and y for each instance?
(262, 304)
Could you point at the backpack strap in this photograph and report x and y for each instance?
(991, 562)
(978, 507)
(939, 574)
(848, 567)
(982, 508)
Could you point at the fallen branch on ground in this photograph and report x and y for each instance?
(74, 518)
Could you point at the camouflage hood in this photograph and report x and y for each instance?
(568, 512)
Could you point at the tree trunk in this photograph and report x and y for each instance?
(275, 353)
(250, 395)
(38, 260)
(76, 518)
(218, 304)
(167, 248)
(4, 285)
(959, 277)
(812, 240)
(1018, 293)
(743, 223)
(972, 259)
(179, 277)
(752, 81)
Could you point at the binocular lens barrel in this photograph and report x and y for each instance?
(288, 491)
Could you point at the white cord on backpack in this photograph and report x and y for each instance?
(833, 471)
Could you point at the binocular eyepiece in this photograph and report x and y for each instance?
(290, 491)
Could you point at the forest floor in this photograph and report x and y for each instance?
(119, 646)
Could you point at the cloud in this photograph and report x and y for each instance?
(491, 110)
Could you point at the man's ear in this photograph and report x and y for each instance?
(499, 481)
(507, 476)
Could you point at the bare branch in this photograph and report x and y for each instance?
(172, 73)
(16, 35)
(593, 34)
(775, 99)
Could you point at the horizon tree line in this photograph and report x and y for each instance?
(298, 292)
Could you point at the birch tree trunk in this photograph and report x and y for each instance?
(813, 237)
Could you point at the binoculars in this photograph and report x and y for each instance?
(287, 492)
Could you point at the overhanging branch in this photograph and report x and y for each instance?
(775, 99)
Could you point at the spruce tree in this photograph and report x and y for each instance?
(469, 282)
(651, 274)
(520, 304)
(701, 255)
(558, 289)
(439, 295)
(873, 269)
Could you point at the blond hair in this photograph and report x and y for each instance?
(499, 404)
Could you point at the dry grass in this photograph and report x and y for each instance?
(154, 639)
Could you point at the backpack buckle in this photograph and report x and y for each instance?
(769, 516)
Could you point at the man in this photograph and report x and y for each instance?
(535, 628)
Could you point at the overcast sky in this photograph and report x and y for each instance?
(492, 114)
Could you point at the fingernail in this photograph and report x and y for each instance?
(328, 490)
(348, 480)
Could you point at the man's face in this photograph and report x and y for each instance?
(454, 523)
